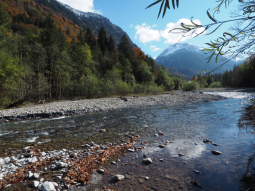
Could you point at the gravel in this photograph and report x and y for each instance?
(87, 106)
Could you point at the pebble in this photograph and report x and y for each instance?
(216, 152)
(181, 154)
(196, 171)
(48, 186)
(35, 184)
(118, 177)
(113, 162)
(131, 150)
(101, 171)
(161, 160)
(161, 146)
(147, 161)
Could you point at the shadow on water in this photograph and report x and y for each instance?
(184, 127)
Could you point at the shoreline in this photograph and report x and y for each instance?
(89, 106)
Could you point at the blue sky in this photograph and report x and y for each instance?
(148, 32)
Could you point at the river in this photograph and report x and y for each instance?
(182, 125)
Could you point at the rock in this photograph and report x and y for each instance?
(206, 141)
(102, 130)
(156, 135)
(160, 133)
(147, 161)
(91, 143)
(58, 177)
(34, 184)
(161, 160)
(35, 176)
(32, 160)
(48, 186)
(101, 171)
(196, 143)
(216, 152)
(181, 154)
(113, 162)
(214, 144)
(87, 146)
(62, 165)
(118, 177)
(161, 146)
(131, 150)
(1, 161)
(196, 171)
(146, 178)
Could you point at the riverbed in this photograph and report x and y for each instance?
(184, 128)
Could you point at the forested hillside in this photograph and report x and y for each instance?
(44, 55)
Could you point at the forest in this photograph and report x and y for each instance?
(42, 58)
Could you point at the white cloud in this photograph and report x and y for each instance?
(146, 34)
(82, 5)
(154, 58)
(175, 36)
(154, 48)
(131, 26)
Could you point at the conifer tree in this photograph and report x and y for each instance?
(90, 39)
(125, 48)
(111, 45)
(81, 38)
(102, 40)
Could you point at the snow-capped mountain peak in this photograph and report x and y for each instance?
(172, 48)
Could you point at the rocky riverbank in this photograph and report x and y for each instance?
(87, 106)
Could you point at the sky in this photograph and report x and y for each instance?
(152, 34)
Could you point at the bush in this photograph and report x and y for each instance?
(215, 85)
(189, 86)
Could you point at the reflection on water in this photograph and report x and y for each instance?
(183, 125)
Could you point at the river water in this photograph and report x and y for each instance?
(184, 125)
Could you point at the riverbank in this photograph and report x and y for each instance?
(87, 106)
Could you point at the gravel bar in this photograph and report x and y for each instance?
(87, 106)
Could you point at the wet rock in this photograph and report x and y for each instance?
(160, 133)
(216, 152)
(118, 177)
(48, 186)
(147, 161)
(101, 171)
(34, 184)
(196, 171)
(181, 154)
(131, 150)
(161, 146)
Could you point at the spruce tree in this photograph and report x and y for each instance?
(81, 38)
(90, 39)
(125, 48)
(102, 40)
(111, 45)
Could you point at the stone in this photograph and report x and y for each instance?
(2, 161)
(147, 161)
(181, 154)
(196, 143)
(35, 176)
(113, 162)
(118, 177)
(102, 130)
(147, 178)
(91, 143)
(62, 165)
(215, 144)
(34, 184)
(48, 186)
(196, 171)
(161, 160)
(32, 160)
(156, 135)
(58, 177)
(160, 133)
(161, 146)
(216, 152)
(131, 150)
(101, 171)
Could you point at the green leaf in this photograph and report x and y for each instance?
(153, 4)
(215, 29)
(211, 17)
(173, 4)
(161, 8)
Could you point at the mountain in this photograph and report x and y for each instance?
(189, 60)
(95, 21)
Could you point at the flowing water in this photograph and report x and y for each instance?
(184, 125)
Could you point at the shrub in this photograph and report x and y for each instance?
(215, 85)
(189, 86)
